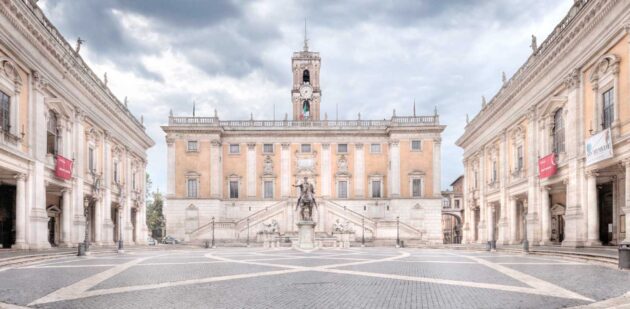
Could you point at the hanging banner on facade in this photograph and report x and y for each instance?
(63, 168)
(599, 147)
(547, 166)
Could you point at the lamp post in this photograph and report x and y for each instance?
(83, 247)
(363, 231)
(248, 232)
(213, 233)
(397, 232)
(120, 231)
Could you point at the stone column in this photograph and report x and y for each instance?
(215, 167)
(626, 209)
(285, 169)
(513, 221)
(65, 218)
(592, 215)
(394, 169)
(532, 181)
(504, 170)
(326, 171)
(170, 166)
(251, 170)
(78, 221)
(20, 212)
(98, 221)
(359, 171)
(437, 167)
(482, 197)
(491, 214)
(546, 217)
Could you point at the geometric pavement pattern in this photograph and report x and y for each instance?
(327, 278)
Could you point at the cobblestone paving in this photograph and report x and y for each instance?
(333, 278)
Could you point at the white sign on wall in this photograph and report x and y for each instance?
(599, 147)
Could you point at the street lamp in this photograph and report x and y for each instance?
(213, 246)
(121, 202)
(397, 232)
(83, 247)
(363, 231)
(248, 232)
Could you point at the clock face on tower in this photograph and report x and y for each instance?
(306, 91)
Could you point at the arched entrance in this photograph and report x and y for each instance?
(54, 224)
(557, 223)
(451, 229)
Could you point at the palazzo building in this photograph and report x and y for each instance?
(548, 158)
(228, 178)
(68, 147)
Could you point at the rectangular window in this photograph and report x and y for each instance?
(342, 148)
(306, 148)
(608, 110)
(457, 204)
(375, 148)
(233, 189)
(51, 133)
(5, 112)
(376, 188)
(192, 146)
(268, 189)
(268, 148)
(416, 145)
(476, 184)
(192, 188)
(342, 189)
(91, 160)
(133, 180)
(494, 171)
(235, 148)
(416, 187)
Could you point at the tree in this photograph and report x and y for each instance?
(155, 217)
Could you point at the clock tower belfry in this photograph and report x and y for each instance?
(306, 93)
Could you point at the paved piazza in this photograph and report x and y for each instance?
(285, 278)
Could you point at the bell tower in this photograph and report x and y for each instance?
(306, 93)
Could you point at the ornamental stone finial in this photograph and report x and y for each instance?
(503, 78)
(483, 101)
(170, 113)
(105, 78)
(359, 116)
(79, 43)
(534, 45)
(467, 119)
(126, 105)
(216, 115)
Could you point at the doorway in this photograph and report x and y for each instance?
(605, 210)
(7, 216)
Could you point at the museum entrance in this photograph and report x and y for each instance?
(605, 210)
(557, 223)
(7, 216)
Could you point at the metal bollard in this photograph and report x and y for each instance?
(207, 244)
(624, 256)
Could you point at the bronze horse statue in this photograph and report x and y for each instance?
(306, 201)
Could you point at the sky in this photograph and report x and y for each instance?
(235, 56)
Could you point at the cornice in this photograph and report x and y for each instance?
(561, 41)
(30, 21)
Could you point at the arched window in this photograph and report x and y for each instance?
(558, 132)
(52, 134)
(306, 76)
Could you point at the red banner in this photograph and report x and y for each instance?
(547, 166)
(63, 168)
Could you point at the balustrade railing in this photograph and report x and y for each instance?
(393, 122)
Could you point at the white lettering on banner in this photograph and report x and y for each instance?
(599, 147)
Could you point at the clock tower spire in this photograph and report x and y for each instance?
(305, 93)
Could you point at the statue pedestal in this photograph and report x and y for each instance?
(344, 238)
(306, 238)
(270, 240)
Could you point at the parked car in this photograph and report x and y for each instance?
(170, 240)
(151, 241)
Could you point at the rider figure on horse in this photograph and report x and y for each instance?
(306, 199)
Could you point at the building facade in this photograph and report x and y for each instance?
(453, 212)
(72, 157)
(379, 176)
(548, 157)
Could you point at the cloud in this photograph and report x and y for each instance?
(234, 56)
